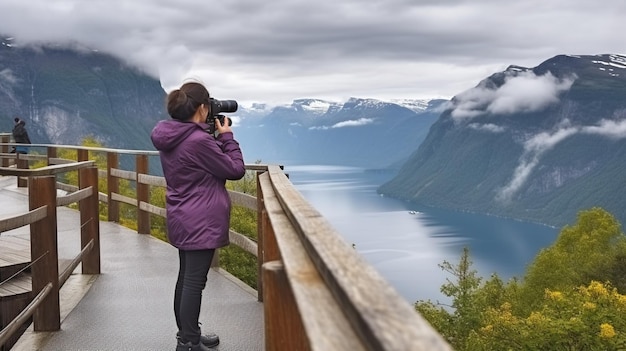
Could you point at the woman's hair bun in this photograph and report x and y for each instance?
(183, 103)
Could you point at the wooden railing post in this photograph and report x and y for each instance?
(82, 155)
(51, 152)
(90, 221)
(143, 195)
(43, 243)
(5, 138)
(113, 186)
(283, 324)
(260, 235)
(21, 164)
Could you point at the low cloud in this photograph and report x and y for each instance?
(525, 92)
(608, 128)
(534, 148)
(539, 144)
(487, 127)
(354, 123)
(7, 76)
(350, 123)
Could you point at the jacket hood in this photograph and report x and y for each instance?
(166, 135)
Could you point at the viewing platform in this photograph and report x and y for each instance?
(129, 305)
(73, 278)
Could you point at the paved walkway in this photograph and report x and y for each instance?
(129, 305)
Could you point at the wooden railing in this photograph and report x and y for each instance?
(45, 277)
(318, 293)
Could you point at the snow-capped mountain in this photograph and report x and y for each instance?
(348, 133)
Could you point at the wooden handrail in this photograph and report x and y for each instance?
(75, 262)
(43, 200)
(26, 313)
(44, 171)
(21, 220)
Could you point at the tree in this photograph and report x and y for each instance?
(455, 326)
(557, 307)
(585, 318)
(582, 252)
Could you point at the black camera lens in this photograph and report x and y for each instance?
(224, 106)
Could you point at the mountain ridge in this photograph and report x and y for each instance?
(65, 95)
(537, 144)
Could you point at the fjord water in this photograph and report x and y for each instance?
(406, 247)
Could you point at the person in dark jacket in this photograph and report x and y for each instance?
(20, 136)
(196, 165)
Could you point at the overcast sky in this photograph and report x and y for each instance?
(279, 50)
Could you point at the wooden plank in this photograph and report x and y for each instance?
(43, 171)
(159, 211)
(19, 221)
(151, 180)
(66, 187)
(124, 199)
(74, 197)
(243, 242)
(326, 326)
(241, 199)
(21, 284)
(13, 260)
(14, 242)
(120, 173)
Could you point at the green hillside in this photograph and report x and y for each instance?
(64, 95)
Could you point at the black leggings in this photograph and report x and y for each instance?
(192, 277)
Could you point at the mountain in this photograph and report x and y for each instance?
(537, 144)
(359, 132)
(65, 95)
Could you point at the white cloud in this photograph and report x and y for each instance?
(524, 92)
(350, 123)
(354, 123)
(609, 128)
(534, 148)
(538, 144)
(277, 51)
(487, 127)
(528, 92)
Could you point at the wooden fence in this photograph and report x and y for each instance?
(318, 293)
(45, 277)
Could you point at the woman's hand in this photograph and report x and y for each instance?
(223, 128)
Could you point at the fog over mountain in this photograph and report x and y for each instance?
(66, 95)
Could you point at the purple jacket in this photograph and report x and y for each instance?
(196, 166)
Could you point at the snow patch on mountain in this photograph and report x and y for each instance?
(610, 63)
(317, 106)
(416, 105)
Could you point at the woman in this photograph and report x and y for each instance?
(196, 165)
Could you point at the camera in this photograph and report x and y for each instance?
(217, 107)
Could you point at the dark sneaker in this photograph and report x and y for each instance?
(180, 346)
(209, 340)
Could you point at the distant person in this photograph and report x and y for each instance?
(196, 165)
(20, 135)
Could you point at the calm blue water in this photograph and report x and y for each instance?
(407, 248)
